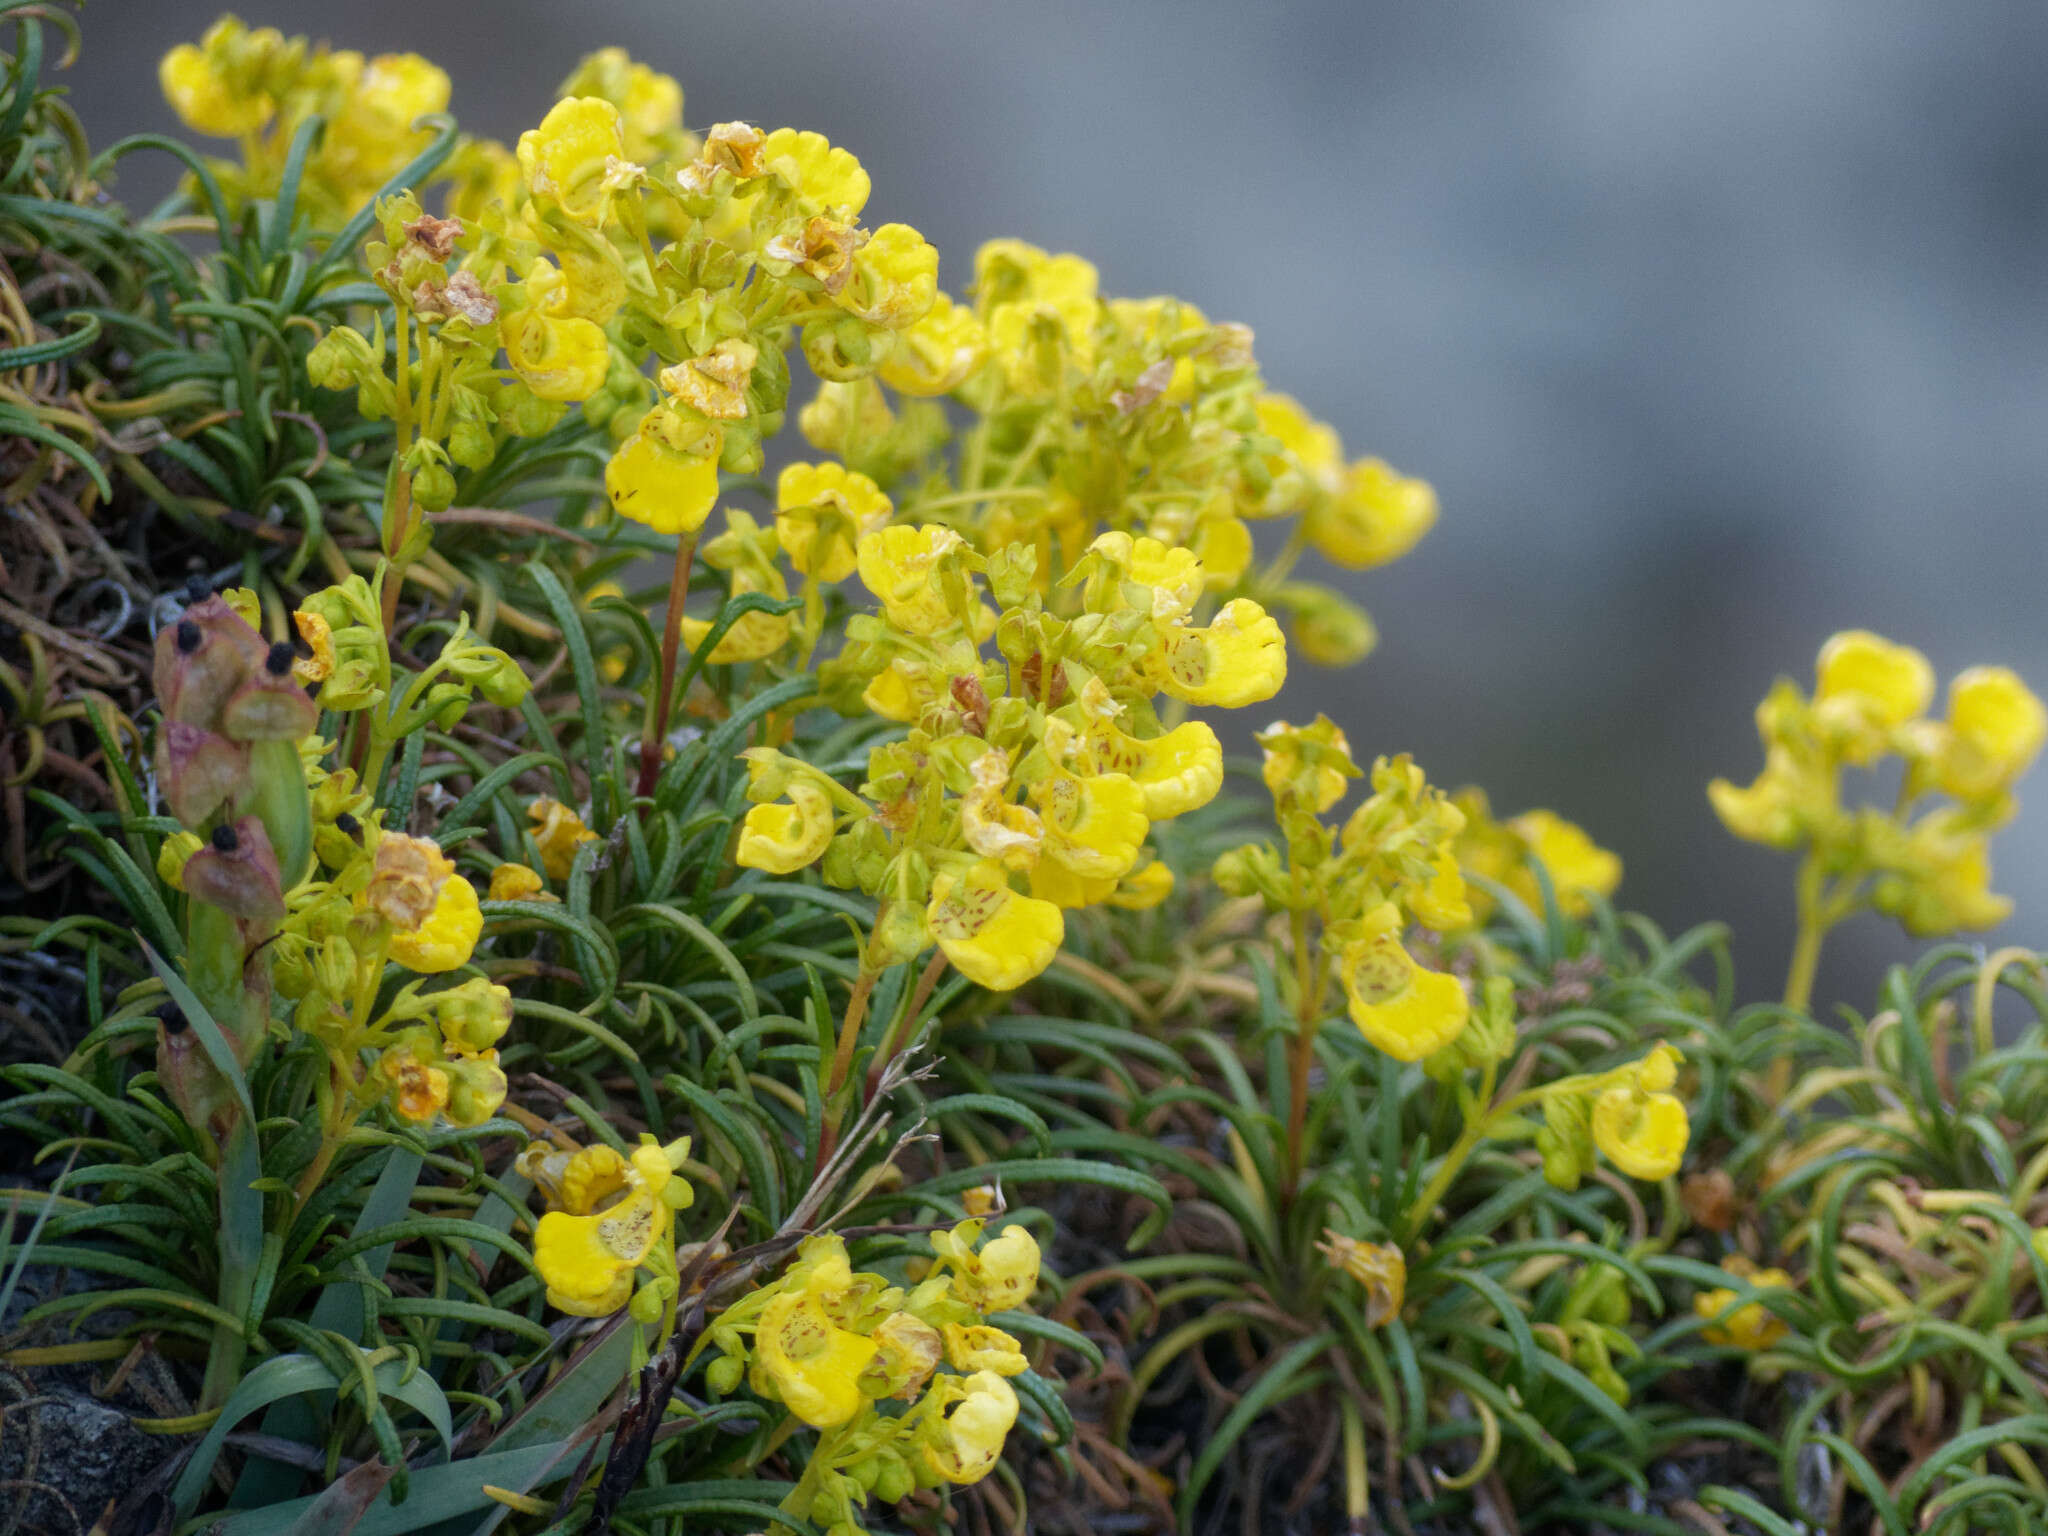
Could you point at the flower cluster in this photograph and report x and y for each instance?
(610, 1217)
(1391, 865)
(833, 1346)
(1926, 860)
(259, 87)
(1026, 783)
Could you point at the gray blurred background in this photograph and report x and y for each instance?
(1717, 327)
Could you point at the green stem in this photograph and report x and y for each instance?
(655, 731)
(1814, 921)
(1307, 1011)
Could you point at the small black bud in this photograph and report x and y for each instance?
(197, 589)
(225, 839)
(279, 659)
(189, 636)
(347, 824)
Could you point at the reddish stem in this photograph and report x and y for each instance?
(655, 733)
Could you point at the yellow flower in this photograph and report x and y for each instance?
(171, 857)
(1001, 1277)
(1212, 532)
(821, 512)
(1641, 1127)
(1376, 516)
(782, 838)
(1766, 811)
(1995, 730)
(1947, 885)
(1314, 447)
(992, 826)
(980, 1347)
(1239, 659)
(938, 353)
(558, 832)
(558, 357)
(1095, 825)
(377, 115)
(901, 691)
(1866, 686)
(1751, 1327)
(901, 566)
(975, 1414)
(1398, 1006)
(569, 156)
(1029, 297)
(515, 882)
(1443, 903)
(1380, 1267)
(996, 938)
(1578, 867)
(1178, 772)
(895, 279)
(611, 1215)
(448, 936)
(754, 635)
(651, 483)
(1311, 762)
(406, 876)
(822, 176)
(1142, 889)
(418, 1088)
(319, 638)
(814, 1364)
(204, 99)
(1054, 882)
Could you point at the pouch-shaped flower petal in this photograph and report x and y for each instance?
(752, 636)
(1642, 1134)
(448, 936)
(819, 173)
(900, 565)
(588, 1261)
(1375, 516)
(821, 512)
(566, 157)
(813, 1364)
(1240, 658)
(1401, 1008)
(1177, 773)
(979, 1347)
(993, 936)
(968, 1434)
(1578, 867)
(782, 837)
(1996, 728)
(558, 357)
(1095, 826)
(651, 483)
(938, 353)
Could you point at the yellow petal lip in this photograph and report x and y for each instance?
(650, 483)
(1239, 659)
(814, 1364)
(1997, 727)
(1096, 825)
(1404, 1010)
(1375, 516)
(993, 936)
(900, 565)
(1644, 1135)
(448, 936)
(782, 838)
(1893, 682)
(1178, 772)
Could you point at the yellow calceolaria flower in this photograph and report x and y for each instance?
(1096, 825)
(1751, 1327)
(981, 1347)
(418, 1088)
(1029, 301)
(822, 177)
(1001, 1276)
(374, 127)
(1375, 516)
(1578, 867)
(1141, 889)
(1639, 1125)
(1178, 772)
(172, 856)
(783, 837)
(1381, 1268)
(1310, 448)
(203, 96)
(905, 567)
(1871, 680)
(557, 832)
(994, 937)
(1402, 1009)
(610, 1215)
(807, 1358)
(651, 483)
(1239, 658)
(448, 936)
(317, 667)
(556, 355)
(937, 354)
(1312, 763)
(975, 1415)
(1996, 727)
(516, 882)
(753, 636)
(572, 156)
(895, 279)
(822, 511)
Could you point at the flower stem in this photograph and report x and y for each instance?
(655, 731)
(1307, 1011)
(1814, 922)
(842, 1058)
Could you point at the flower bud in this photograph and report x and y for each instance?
(476, 1087)
(433, 487)
(475, 1015)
